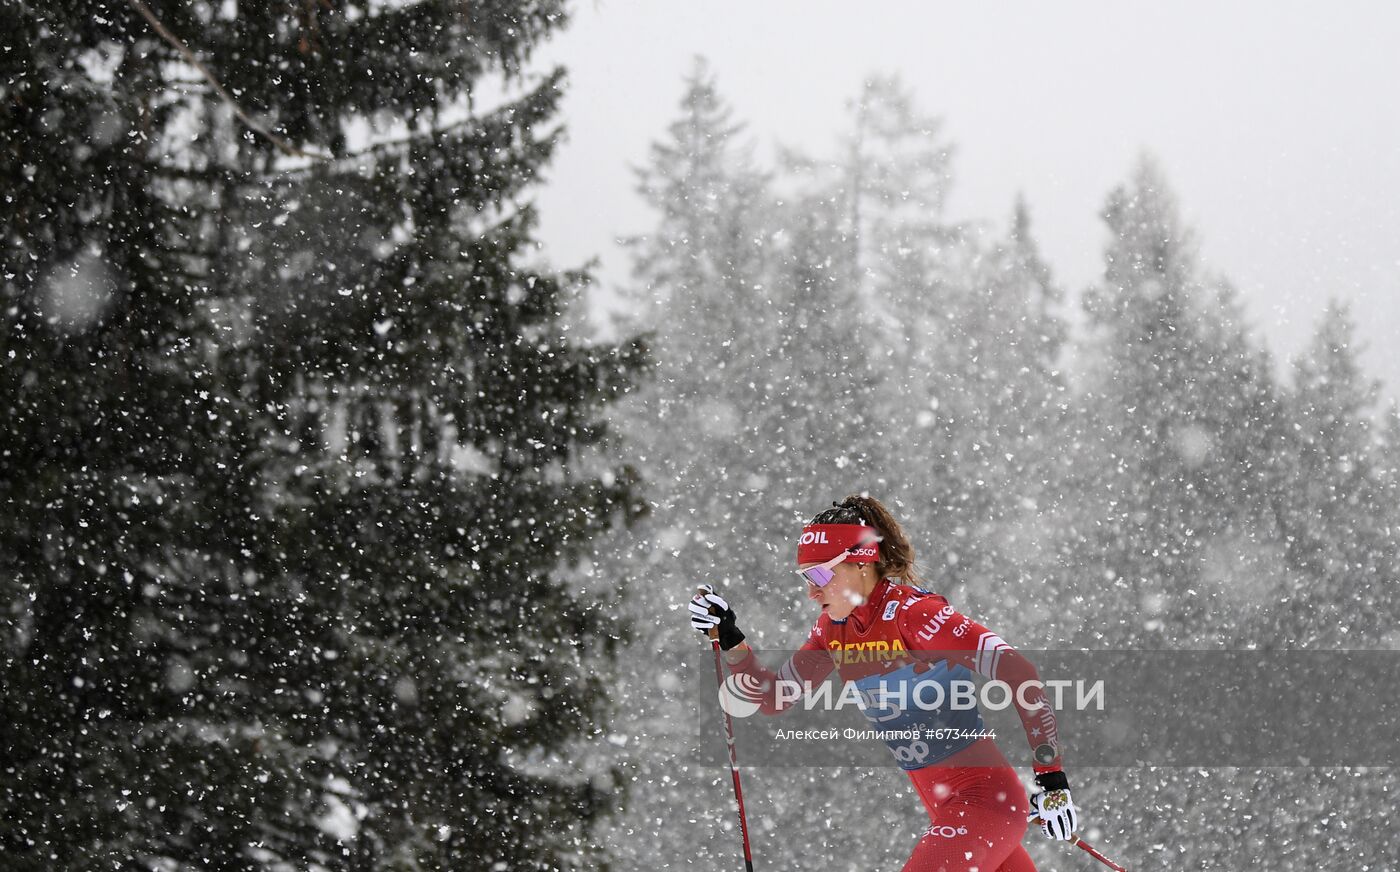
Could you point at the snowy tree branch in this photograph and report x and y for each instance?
(189, 56)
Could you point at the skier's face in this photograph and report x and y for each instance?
(849, 587)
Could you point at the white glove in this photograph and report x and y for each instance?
(1055, 812)
(700, 617)
(710, 610)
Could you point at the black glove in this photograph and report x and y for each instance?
(708, 609)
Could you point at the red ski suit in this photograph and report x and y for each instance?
(902, 638)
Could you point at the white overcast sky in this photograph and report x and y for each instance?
(1277, 123)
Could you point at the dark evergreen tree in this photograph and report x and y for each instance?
(301, 455)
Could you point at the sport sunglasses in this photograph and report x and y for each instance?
(822, 575)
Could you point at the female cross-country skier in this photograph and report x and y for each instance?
(880, 630)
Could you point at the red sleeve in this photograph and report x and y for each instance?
(809, 665)
(930, 624)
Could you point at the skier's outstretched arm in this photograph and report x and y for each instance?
(932, 626)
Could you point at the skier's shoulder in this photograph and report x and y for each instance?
(914, 597)
(923, 614)
(915, 602)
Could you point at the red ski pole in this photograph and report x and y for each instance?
(733, 754)
(1093, 852)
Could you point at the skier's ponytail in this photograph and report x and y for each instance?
(896, 554)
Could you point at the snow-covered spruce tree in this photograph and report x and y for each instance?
(827, 436)
(964, 329)
(885, 188)
(909, 271)
(756, 417)
(1184, 467)
(1337, 521)
(703, 277)
(298, 459)
(1388, 483)
(875, 206)
(826, 393)
(997, 413)
(1180, 425)
(822, 380)
(691, 429)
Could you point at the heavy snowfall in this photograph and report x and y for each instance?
(343, 528)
